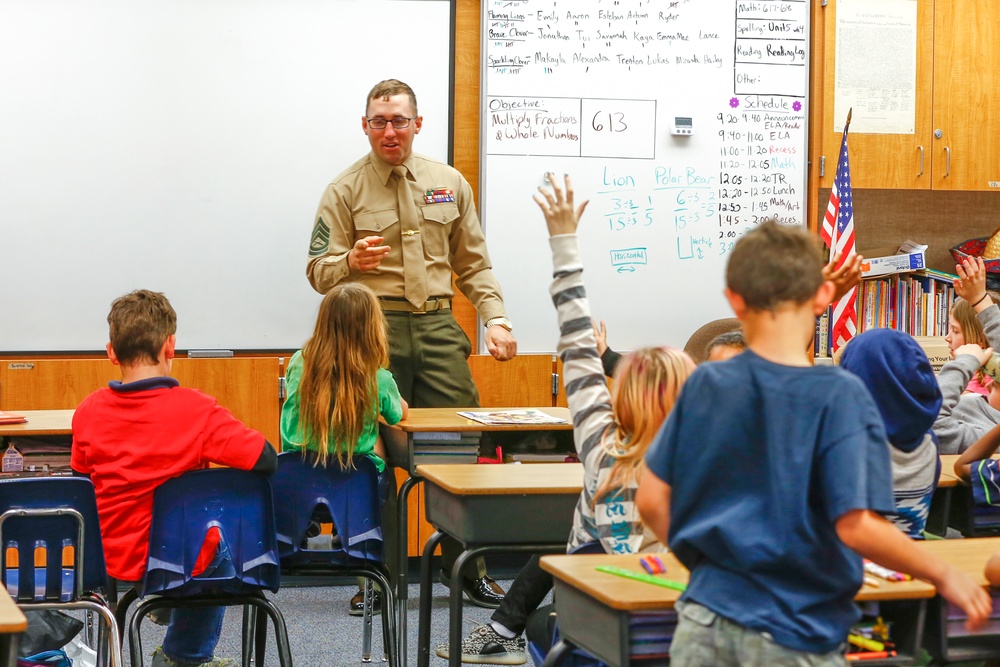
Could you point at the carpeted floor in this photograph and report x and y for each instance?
(320, 632)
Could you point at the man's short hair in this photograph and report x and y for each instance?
(139, 323)
(388, 88)
(728, 339)
(774, 264)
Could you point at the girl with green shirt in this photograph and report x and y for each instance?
(338, 385)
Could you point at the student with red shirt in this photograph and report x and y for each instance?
(134, 435)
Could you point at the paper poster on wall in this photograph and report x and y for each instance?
(876, 66)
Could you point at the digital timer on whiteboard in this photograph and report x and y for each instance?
(682, 126)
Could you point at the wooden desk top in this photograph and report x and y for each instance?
(506, 479)
(11, 618)
(948, 476)
(40, 422)
(969, 555)
(630, 595)
(447, 419)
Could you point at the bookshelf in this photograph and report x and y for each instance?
(916, 302)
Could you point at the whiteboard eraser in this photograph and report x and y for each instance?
(209, 354)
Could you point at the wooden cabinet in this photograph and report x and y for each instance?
(956, 139)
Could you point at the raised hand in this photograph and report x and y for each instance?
(557, 207)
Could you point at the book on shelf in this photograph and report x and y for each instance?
(512, 417)
(915, 302)
(881, 261)
(821, 343)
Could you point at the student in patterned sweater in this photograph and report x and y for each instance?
(611, 432)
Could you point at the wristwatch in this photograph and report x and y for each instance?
(499, 322)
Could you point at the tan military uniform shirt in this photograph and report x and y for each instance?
(362, 202)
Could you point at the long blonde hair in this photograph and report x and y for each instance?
(965, 316)
(338, 392)
(972, 328)
(646, 386)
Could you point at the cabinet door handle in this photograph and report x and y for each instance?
(921, 149)
(947, 161)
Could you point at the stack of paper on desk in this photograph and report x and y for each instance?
(446, 447)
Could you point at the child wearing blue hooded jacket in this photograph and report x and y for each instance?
(899, 377)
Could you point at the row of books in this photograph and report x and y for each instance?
(917, 303)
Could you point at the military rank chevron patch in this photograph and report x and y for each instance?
(320, 238)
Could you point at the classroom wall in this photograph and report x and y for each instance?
(885, 216)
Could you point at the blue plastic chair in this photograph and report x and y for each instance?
(239, 505)
(57, 515)
(352, 499)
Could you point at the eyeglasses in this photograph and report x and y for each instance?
(398, 123)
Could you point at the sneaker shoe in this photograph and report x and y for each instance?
(160, 659)
(483, 646)
(356, 607)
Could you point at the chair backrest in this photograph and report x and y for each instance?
(351, 496)
(238, 505)
(706, 333)
(50, 529)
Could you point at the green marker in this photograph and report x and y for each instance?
(642, 576)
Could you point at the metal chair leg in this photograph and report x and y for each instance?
(366, 634)
(249, 624)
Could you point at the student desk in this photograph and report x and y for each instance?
(12, 624)
(398, 441)
(515, 508)
(40, 422)
(948, 641)
(594, 607)
(952, 505)
(944, 496)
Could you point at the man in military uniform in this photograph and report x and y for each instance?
(402, 224)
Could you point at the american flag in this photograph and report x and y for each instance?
(838, 234)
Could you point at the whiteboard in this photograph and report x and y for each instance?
(607, 92)
(183, 146)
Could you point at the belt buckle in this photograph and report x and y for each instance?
(427, 307)
(431, 306)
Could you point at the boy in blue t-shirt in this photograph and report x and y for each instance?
(769, 479)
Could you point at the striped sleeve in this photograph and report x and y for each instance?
(586, 389)
(587, 395)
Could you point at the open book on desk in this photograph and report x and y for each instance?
(512, 417)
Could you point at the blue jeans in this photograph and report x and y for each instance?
(193, 634)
